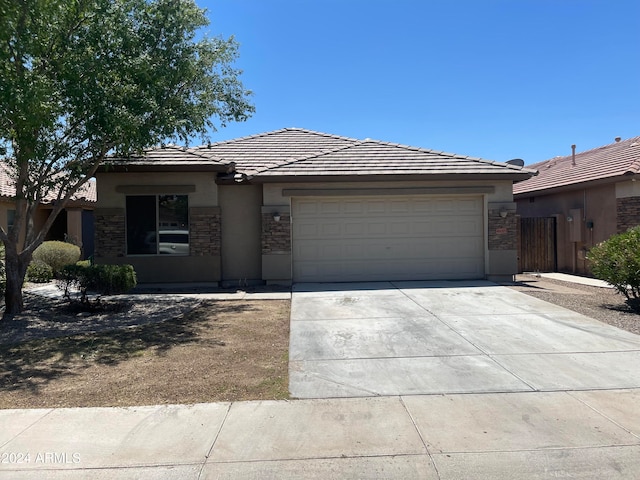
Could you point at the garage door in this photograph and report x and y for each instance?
(387, 238)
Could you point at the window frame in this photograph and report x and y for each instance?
(157, 226)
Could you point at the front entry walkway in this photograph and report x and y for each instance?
(411, 338)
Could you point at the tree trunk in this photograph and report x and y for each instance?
(16, 269)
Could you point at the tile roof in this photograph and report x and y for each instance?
(372, 157)
(86, 193)
(304, 153)
(606, 162)
(258, 152)
(169, 155)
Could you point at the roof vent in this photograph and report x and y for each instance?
(573, 155)
(518, 162)
(618, 139)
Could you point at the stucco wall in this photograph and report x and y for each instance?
(595, 206)
(204, 183)
(241, 234)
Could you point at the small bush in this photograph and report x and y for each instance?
(617, 261)
(39, 272)
(99, 279)
(57, 254)
(84, 263)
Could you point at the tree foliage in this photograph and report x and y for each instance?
(83, 79)
(617, 261)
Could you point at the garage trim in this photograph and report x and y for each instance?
(359, 192)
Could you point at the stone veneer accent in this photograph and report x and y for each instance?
(205, 234)
(276, 236)
(503, 232)
(627, 213)
(109, 233)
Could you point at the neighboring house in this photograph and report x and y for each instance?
(295, 205)
(74, 224)
(591, 195)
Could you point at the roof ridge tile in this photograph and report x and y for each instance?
(309, 156)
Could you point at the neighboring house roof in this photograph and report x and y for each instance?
(295, 152)
(599, 164)
(86, 194)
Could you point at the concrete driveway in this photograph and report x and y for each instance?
(411, 338)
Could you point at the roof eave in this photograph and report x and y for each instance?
(515, 176)
(574, 186)
(175, 167)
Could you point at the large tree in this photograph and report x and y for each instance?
(84, 79)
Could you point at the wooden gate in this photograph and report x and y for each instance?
(537, 245)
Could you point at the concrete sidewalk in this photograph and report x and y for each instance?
(588, 434)
(565, 277)
(50, 290)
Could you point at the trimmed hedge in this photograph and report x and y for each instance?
(99, 279)
(56, 254)
(39, 272)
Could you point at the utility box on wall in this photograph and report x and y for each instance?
(575, 225)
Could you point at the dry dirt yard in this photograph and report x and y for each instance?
(184, 351)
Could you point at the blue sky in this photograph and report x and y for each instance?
(498, 79)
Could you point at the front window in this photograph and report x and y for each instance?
(158, 224)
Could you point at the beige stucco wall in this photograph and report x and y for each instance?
(499, 265)
(627, 189)
(241, 232)
(203, 192)
(272, 194)
(74, 226)
(595, 205)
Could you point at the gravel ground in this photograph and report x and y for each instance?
(45, 317)
(603, 304)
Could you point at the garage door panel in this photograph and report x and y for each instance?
(404, 238)
(356, 229)
(354, 207)
(376, 228)
(399, 228)
(376, 206)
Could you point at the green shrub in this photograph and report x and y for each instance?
(84, 263)
(98, 279)
(617, 261)
(57, 254)
(39, 272)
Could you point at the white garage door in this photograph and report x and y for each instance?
(387, 238)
